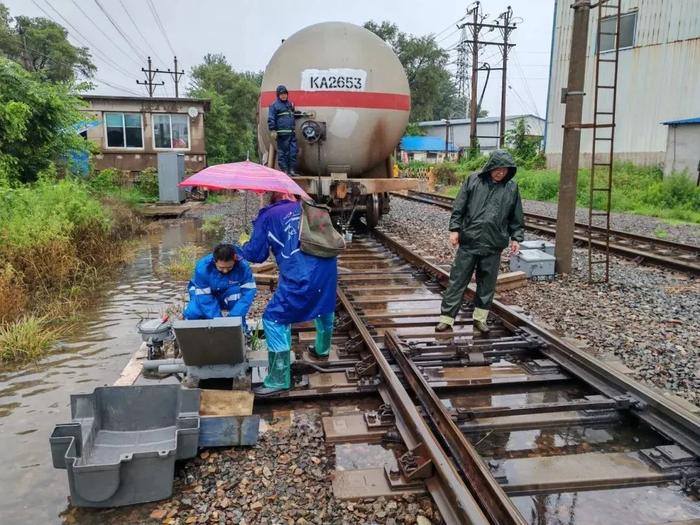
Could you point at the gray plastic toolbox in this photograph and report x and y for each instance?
(538, 244)
(121, 447)
(535, 263)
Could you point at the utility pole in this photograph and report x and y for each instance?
(573, 97)
(150, 75)
(447, 136)
(506, 16)
(473, 109)
(175, 74)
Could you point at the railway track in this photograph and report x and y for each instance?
(664, 253)
(503, 429)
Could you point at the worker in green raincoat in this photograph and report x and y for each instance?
(486, 216)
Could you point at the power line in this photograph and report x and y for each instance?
(109, 38)
(119, 29)
(85, 41)
(138, 30)
(156, 16)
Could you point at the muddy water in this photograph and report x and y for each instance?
(34, 399)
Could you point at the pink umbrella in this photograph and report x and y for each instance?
(244, 175)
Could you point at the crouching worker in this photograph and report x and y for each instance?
(486, 215)
(221, 281)
(306, 287)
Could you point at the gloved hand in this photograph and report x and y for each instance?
(244, 238)
(273, 134)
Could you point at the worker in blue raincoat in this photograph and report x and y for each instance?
(221, 281)
(280, 122)
(306, 287)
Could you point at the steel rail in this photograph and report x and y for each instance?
(663, 414)
(453, 499)
(544, 223)
(495, 502)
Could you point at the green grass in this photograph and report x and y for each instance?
(636, 189)
(213, 227)
(182, 265)
(26, 339)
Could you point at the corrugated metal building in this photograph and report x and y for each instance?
(658, 76)
(486, 126)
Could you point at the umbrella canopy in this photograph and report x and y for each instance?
(244, 175)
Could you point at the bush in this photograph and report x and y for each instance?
(182, 265)
(214, 227)
(147, 183)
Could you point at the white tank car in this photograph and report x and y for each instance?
(354, 89)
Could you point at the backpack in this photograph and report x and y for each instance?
(317, 236)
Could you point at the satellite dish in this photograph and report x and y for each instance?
(192, 112)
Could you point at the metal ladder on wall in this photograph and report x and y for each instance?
(604, 103)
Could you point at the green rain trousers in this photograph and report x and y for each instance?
(464, 265)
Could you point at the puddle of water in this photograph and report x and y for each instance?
(516, 397)
(630, 506)
(618, 437)
(35, 398)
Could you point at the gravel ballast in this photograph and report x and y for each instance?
(647, 317)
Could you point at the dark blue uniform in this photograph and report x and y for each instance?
(280, 118)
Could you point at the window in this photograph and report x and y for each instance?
(628, 21)
(171, 131)
(124, 130)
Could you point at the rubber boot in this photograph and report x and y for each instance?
(279, 374)
(480, 316)
(445, 324)
(324, 333)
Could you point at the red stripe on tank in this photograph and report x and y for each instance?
(342, 99)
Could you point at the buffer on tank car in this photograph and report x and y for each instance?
(352, 100)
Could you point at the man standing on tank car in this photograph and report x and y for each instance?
(280, 122)
(486, 215)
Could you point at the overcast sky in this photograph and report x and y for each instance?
(249, 31)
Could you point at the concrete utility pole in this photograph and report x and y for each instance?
(474, 109)
(573, 97)
(506, 16)
(176, 77)
(476, 26)
(150, 75)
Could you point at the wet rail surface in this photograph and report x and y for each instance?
(535, 431)
(35, 398)
(664, 253)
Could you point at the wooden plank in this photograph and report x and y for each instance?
(510, 276)
(133, 368)
(226, 403)
(228, 431)
(366, 483)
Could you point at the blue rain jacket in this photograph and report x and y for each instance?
(212, 291)
(307, 283)
(280, 117)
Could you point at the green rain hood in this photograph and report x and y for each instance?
(485, 213)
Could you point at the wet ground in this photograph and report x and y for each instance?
(35, 398)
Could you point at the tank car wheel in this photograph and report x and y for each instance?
(374, 211)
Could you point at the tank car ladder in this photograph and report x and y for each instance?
(604, 103)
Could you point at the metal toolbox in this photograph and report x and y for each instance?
(538, 244)
(535, 263)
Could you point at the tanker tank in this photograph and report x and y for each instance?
(353, 93)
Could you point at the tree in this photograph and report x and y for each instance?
(41, 46)
(37, 123)
(232, 117)
(523, 145)
(433, 93)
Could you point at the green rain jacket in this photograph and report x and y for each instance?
(485, 213)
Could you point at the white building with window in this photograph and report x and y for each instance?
(658, 76)
(131, 131)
